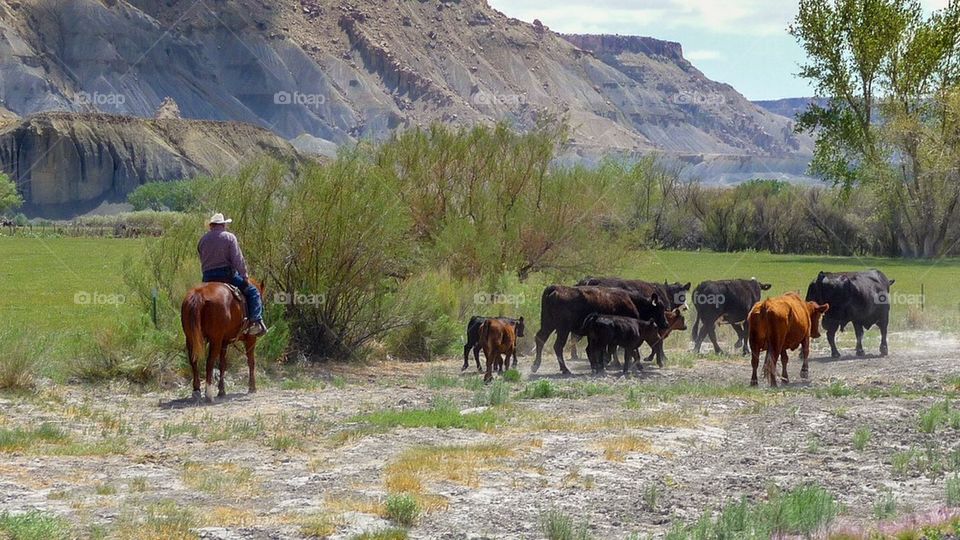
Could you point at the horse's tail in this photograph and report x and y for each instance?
(190, 315)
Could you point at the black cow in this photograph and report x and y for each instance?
(607, 332)
(862, 298)
(728, 300)
(674, 295)
(473, 338)
(563, 309)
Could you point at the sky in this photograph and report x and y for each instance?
(740, 42)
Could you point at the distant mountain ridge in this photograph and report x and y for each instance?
(329, 72)
(790, 107)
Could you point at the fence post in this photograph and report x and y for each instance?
(154, 295)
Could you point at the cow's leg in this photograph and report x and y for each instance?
(783, 361)
(490, 362)
(858, 330)
(215, 347)
(628, 358)
(712, 332)
(476, 356)
(883, 334)
(746, 336)
(755, 363)
(832, 339)
(696, 334)
(614, 359)
(540, 339)
(514, 358)
(741, 330)
(805, 354)
(558, 346)
(661, 355)
(466, 358)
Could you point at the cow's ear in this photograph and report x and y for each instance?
(892, 281)
(687, 286)
(655, 299)
(823, 308)
(765, 286)
(521, 320)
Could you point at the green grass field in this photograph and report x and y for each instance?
(64, 284)
(794, 272)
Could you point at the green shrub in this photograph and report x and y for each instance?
(511, 376)
(430, 302)
(541, 389)
(442, 414)
(33, 526)
(885, 505)
(953, 490)
(22, 359)
(177, 195)
(805, 510)
(392, 533)
(496, 393)
(861, 437)
(555, 525)
(403, 509)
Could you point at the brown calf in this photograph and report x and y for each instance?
(498, 339)
(781, 323)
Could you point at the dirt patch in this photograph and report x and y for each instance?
(625, 455)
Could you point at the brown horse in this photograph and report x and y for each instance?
(210, 313)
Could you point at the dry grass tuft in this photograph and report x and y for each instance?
(229, 516)
(617, 448)
(222, 479)
(460, 464)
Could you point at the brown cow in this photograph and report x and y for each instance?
(498, 339)
(781, 323)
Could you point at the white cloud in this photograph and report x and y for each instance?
(745, 17)
(702, 55)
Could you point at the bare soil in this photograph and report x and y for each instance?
(287, 456)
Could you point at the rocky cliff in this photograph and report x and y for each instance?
(67, 163)
(334, 71)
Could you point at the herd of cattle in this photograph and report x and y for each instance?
(621, 313)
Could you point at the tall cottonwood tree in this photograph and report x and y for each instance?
(892, 118)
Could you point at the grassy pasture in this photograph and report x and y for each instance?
(45, 282)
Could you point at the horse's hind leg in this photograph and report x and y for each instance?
(222, 365)
(215, 348)
(251, 365)
(193, 355)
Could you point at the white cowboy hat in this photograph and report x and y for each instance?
(218, 219)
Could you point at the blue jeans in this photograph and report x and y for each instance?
(229, 275)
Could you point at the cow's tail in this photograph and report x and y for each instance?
(696, 326)
(190, 315)
(484, 331)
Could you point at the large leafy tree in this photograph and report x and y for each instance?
(892, 119)
(9, 198)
